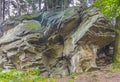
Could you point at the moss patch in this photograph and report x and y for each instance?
(31, 25)
(28, 16)
(115, 67)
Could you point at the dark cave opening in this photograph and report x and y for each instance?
(105, 55)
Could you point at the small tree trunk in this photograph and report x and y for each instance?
(3, 10)
(117, 43)
(66, 3)
(1, 17)
(9, 1)
(18, 8)
(40, 2)
(33, 6)
(46, 4)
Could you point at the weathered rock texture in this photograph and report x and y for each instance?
(58, 42)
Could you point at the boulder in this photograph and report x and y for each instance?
(57, 42)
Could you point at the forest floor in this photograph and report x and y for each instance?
(103, 75)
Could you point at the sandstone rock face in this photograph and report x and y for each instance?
(57, 42)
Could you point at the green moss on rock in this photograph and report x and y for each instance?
(28, 16)
(32, 24)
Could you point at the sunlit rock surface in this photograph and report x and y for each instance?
(58, 42)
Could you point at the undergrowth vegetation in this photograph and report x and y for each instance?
(32, 75)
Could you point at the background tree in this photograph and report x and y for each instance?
(10, 8)
(3, 9)
(1, 18)
(40, 2)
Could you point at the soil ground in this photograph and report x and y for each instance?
(104, 75)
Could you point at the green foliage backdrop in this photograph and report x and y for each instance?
(110, 8)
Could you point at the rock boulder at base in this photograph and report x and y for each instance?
(57, 42)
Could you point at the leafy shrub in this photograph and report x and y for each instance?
(32, 75)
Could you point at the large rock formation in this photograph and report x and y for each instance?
(58, 42)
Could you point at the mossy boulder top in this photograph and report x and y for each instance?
(46, 22)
